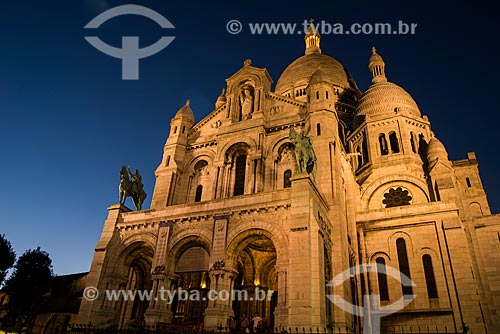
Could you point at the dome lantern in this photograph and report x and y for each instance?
(312, 39)
(377, 67)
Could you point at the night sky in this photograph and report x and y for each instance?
(68, 121)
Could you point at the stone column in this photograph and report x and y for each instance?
(160, 307)
(258, 181)
(219, 307)
(158, 310)
(249, 175)
(228, 180)
(218, 175)
(281, 311)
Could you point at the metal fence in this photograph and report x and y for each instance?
(86, 329)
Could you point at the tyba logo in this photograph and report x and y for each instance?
(129, 53)
(371, 312)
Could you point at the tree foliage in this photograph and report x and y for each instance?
(7, 257)
(27, 285)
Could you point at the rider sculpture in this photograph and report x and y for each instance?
(304, 153)
(131, 186)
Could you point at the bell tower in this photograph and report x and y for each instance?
(174, 152)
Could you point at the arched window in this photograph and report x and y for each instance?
(183, 129)
(384, 150)
(318, 129)
(341, 133)
(360, 157)
(240, 169)
(199, 191)
(412, 142)
(404, 266)
(430, 279)
(317, 95)
(364, 150)
(168, 161)
(393, 139)
(326, 95)
(383, 288)
(287, 179)
(175, 130)
(467, 180)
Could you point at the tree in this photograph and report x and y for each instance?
(7, 257)
(27, 285)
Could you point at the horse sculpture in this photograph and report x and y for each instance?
(131, 186)
(304, 153)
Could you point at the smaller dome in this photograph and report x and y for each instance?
(436, 150)
(185, 112)
(318, 77)
(385, 98)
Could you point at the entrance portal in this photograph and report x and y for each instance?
(256, 280)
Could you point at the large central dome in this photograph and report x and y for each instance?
(300, 71)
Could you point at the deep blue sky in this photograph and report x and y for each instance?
(68, 121)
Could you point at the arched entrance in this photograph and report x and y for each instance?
(255, 260)
(192, 272)
(136, 272)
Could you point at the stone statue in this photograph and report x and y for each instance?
(131, 186)
(246, 101)
(304, 153)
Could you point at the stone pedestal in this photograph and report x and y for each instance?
(160, 308)
(219, 310)
(96, 278)
(306, 288)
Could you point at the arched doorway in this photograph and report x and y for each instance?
(257, 280)
(136, 271)
(192, 272)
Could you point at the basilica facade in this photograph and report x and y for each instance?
(232, 210)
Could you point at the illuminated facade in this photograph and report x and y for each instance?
(230, 212)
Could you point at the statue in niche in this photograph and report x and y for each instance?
(304, 153)
(246, 103)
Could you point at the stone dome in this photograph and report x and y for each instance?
(185, 112)
(300, 71)
(318, 77)
(385, 98)
(436, 150)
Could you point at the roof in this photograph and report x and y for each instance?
(300, 71)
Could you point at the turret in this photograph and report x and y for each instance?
(174, 152)
(180, 125)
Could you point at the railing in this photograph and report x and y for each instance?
(171, 329)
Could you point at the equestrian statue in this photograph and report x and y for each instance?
(304, 153)
(131, 186)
